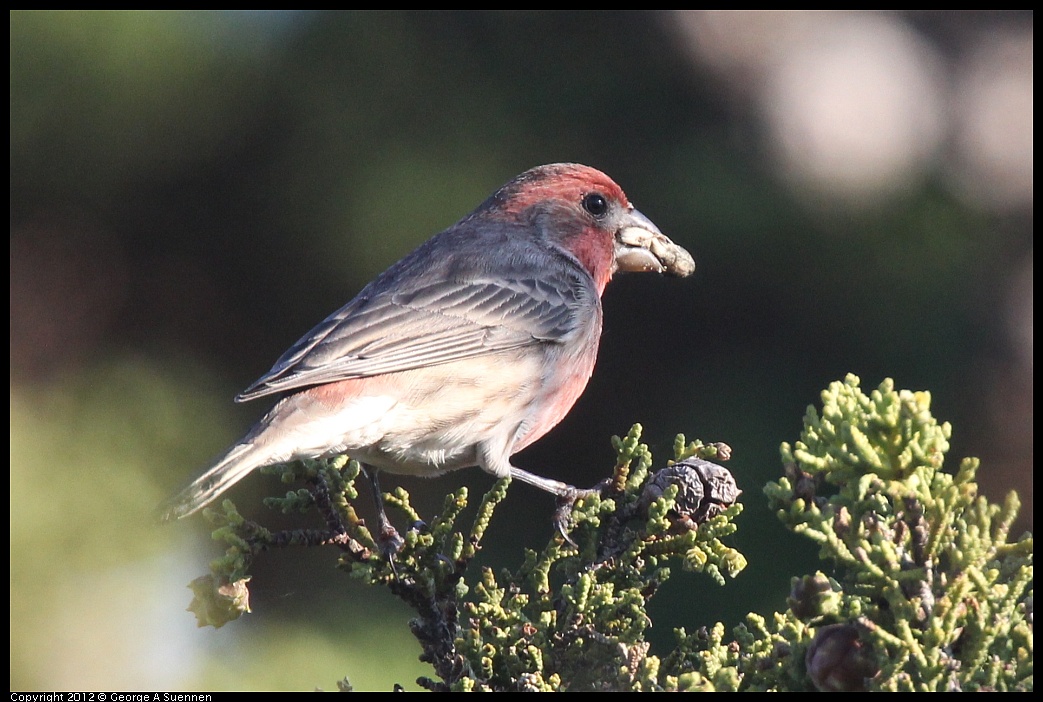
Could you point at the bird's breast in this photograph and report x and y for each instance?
(431, 420)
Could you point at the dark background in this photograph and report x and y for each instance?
(192, 191)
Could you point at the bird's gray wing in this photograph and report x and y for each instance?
(431, 323)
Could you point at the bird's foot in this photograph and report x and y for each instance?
(567, 500)
(389, 541)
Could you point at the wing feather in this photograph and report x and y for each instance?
(432, 323)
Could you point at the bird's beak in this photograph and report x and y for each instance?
(641, 247)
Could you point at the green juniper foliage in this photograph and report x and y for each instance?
(925, 592)
(928, 590)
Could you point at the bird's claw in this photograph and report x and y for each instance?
(389, 541)
(566, 501)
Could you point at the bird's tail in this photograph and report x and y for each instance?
(240, 460)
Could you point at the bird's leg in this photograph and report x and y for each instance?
(567, 496)
(388, 538)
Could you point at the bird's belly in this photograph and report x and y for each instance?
(429, 421)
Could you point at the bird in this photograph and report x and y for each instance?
(462, 353)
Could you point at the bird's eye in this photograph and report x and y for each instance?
(595, 204)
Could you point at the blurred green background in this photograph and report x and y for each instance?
(192, 191)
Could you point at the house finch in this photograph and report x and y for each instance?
(464, 352)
